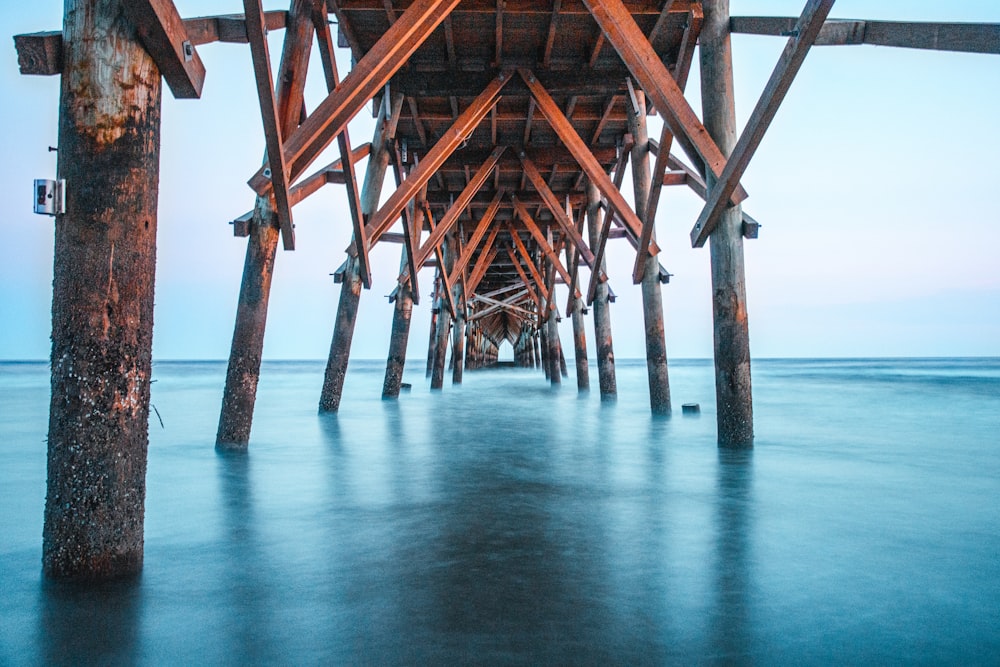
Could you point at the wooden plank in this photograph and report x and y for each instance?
(451, 217)
(452, 139)
(165, 38)
(808, 27)
(638, 55)
(961, 37)
(564, 129)
(531, 9)
(543, 242)
(477, 235)
(552, 203)
(229, 28)
(257, 33)
(366, 79)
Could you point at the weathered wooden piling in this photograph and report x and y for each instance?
(350, 293)
(102, 297)
(652, 299)
(243, 372)
(400, 334)
(458, 328)
(602, 313)
(443, 322)
(553, 353)
(432, 337)
(734, 400)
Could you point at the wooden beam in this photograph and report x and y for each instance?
(536, 275)
(452, 139)
(551, 38)
(477, 235)
(552, 203)
(257, 33)
(449, 297)
(451, 217)
(331, 173)
(962, 37)
(638, 55)
(524, 277)
(413, 220)
(806, 30)
(370, 74)
(482, 265)
(543, 242)
(165, 38)
(562, 127)
(229, 28)
(39, 53)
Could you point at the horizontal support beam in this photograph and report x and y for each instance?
(963, 37)
(40, 53)
(531, 7)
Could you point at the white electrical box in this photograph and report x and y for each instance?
(50, 196)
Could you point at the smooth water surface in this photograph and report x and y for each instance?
(505, 522)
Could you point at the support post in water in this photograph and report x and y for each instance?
(350, 292)
(102, 298)
(734, 401)
(652, 300)
(401, 315)
(602, 313)
(443, 321)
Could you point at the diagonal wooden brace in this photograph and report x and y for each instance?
(165, 37)
(278, 170)
(459, 131)
(645, 65)
(371, 73)
(552, 203)
(806, 31)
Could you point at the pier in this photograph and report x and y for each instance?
(507, 127)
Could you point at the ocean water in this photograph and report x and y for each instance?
(506, 522)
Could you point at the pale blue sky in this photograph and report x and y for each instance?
(875, 185)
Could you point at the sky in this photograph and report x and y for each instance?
(875, 187)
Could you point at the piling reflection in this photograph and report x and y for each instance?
(245, 581)
(731, 621)
(91, 623)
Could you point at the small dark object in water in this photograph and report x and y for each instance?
(691, 409)
(405, 386)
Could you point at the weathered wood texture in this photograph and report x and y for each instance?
(652, 299)
(350, 293)
(734, 401)
(102, 298)
(243, 372)
(165, 37)
(602, 312)
(964, 37)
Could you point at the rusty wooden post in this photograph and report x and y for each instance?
(350, 293)
(553, 353)
(458, 331)
(400, 334)
(432, 338)
(102, 297)
(652, 300)
(601, 306)
(734, 400)
(543, 348)
(536, 357)
(443, 321)
(580, 347)
(243, 372)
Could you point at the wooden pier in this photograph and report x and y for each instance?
(508, 127)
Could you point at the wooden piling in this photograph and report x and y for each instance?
(580, 347)
(652, 300)
(602, 313)
(400, 334)
(243, 372)
(432, 337)
(102, 297)
(458, 329)
(734, 400)
(350, 293)
(553, 354)
(444, 320)
(543, 348)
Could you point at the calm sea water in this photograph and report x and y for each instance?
(505, 522)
